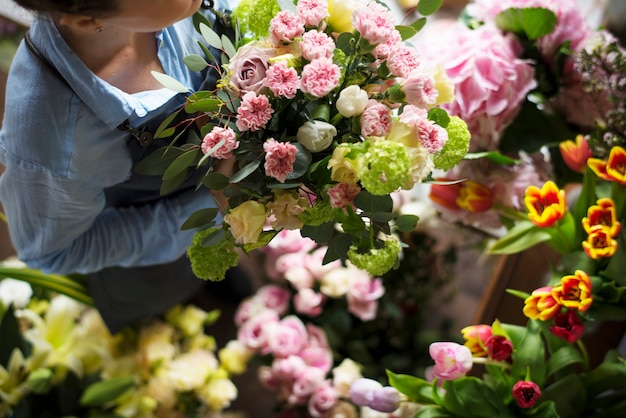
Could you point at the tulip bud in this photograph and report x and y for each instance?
(316, 135)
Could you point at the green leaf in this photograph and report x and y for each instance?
(428, 7)
(195, 62)
(245, 172)
(617, 263)
(210, 36)
(169, 82)
(164, 131)
(406, 32)
(568, 395)
(528, 354)
(407, 223)
(472, 394)
(439, 116)
(200, 218)
(264, 239)
(180, 164)
(11, 337)
(370, 203)
(214, 237)
(157, 162)
(565, 356)
(521, 237)
(301, 165)
(105, 391)
(432, 411)
(546, 409)
(205, 105)
(529, 22)
(518, 293)
(418, 24)
(494, 156)
(229, 48)
(320, 234)
(416, 389)
(215, 181)
(169, 185)
(337, 248)
(345, 42)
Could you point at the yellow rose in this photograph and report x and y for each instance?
(340, 14)
(246, 221)
(343, 169)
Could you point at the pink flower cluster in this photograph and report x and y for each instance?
(279, 158)
(298, 261)
(217, 135)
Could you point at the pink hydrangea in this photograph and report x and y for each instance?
(217, 135)
(403, 60)
(285, 27)
(279, 159)
(320, 77)
(375, 119)
(383, 50)
(312, 12)
(283, 81)
(375, 23)
(342, 195)
(419, 90)
(254, 112)
(490, 81)
(316, 44)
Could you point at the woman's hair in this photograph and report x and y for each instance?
(96, 8)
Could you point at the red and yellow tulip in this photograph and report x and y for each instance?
(541, 304)
(613, 169)
(575, 153)
(574, 292)
(475, 197)
(599, 243)
(602, 214)
(546, 206)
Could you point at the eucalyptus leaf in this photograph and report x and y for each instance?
(320, 234)
(180, 164)
(200, 218)
(264, 239)
(157, 162)
(207, 105)
(439, 116)
(169, 185)
(169, 82)
(215, 181)
(214, 237)
(164, 130)
(210, 36)
(195, 62)
(428, 7)
(337, 248)
(370, 203)
(245, 171)
(529, 22)
(286, 5)
(418, 24)
(229, 48)
(302, 162)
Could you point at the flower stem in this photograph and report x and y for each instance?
(484, 360)
(585, 355)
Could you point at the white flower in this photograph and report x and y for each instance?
(191, 370)
(336, 283)
(352, 101)
(15, 292)
(344, 374)
(316, 135)
(218, 393)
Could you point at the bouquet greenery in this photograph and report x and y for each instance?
(326, 110)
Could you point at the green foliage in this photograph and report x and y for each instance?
(529, 22)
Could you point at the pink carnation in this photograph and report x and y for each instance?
(320, 77)
(312, 12)
(285, 27)
(316, 45)
(341, 195)
(403, 60)
(279, 159)
(216, 135)
(254, 112)
(375, 119)
(490, 81)
(282, 80)
(432, 136)
(384, 50)
(419, 90)
(375, 23)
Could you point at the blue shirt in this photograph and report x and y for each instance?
(61, 150)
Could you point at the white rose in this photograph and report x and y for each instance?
(336, 283)
(316, 135)
(352, 101)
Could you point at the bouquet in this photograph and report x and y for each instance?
(326, 110)
(57, 357)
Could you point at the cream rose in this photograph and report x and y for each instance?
(246, 221)
(248, 67)
(316, 135)
(352, 101)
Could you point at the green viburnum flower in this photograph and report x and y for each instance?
(457, 146)
(377, 261)
(212, 262)
(386, 167)
(253, 16)
(317, 214)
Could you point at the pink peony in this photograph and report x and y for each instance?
(279, 159)
(375, 119)
(217, 135)
(342, 195)
(316, 44)
(403, 60)
(309, 302)
(285, 27)
(375, 23)
(320, 77)
(282, 80)
(490, 81)
(254, 112)
(312, 12)
(248, 67)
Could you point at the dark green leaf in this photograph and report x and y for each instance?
(215, 181)
(303, 159)
(407, 223)
(432, 411)
(494, 156)
(529, 22)
(169, 185)
(320, 234)
(337, 248)
(546, 409)
(439, 116)
(105, 391)
(428, 7)
(11, 337)
(565, 356)
(157, 162)
(528, 355)
(568, 395)
(245, 172)
(180, 164)
(164, 130)
(345, 42)
(205, 105)
(370, 203)
(200, 218)
(522, 236)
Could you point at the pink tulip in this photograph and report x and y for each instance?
(452, 360)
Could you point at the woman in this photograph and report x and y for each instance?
(80, 94)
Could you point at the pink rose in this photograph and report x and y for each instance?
(285, 27)
(316, 44)
(274, 297)
(254, 112)
(248, 67)
(279, 159)
(375, 119)
(309, 302)
(312, 12)
(318, 357)
(323, 400)
(306, 383)
(288, 368)
(320, 77)
(252, 333)
(375, 23)
(217, 135)
(363, 295)
(452, 360)
(286, 337)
